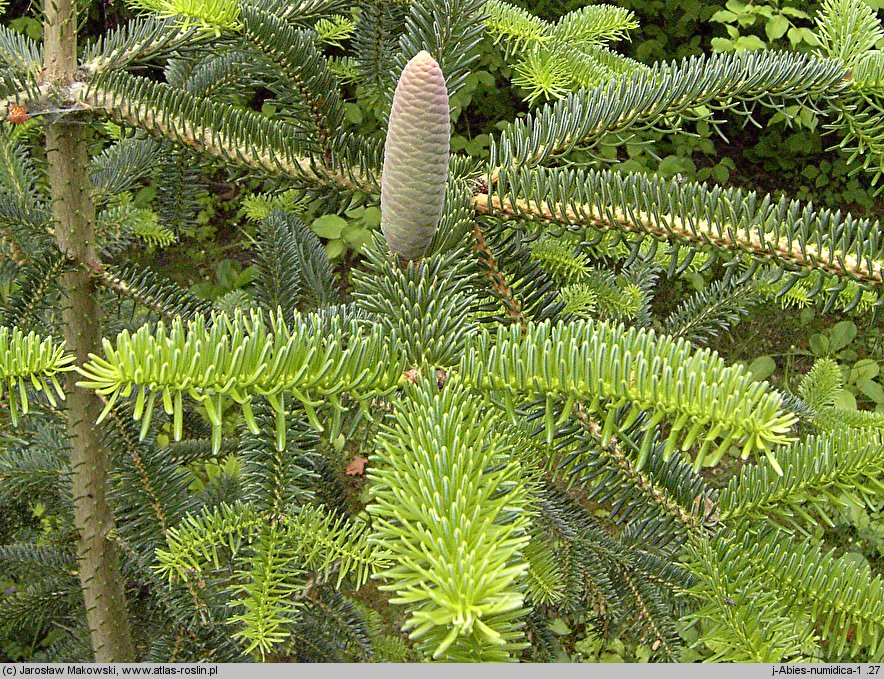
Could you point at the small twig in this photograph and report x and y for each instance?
(106, 279)
(693, 522)
(498, 281)
(316, 581)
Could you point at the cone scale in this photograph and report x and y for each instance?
(415, 158)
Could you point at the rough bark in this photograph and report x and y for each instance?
(67, 156)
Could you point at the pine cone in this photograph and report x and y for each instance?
(415, 158)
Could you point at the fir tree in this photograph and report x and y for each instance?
(495, 360)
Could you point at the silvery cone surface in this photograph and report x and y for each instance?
(415, 158)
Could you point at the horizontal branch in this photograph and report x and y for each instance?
(216, 129)
(140, 39)
(666, 225)
(609, 367)
(159, 297)
(647, 97)
(220, 359)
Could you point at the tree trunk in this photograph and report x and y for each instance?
(68, 160)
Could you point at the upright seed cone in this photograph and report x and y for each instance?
(415, 158)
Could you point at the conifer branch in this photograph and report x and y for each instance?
(14, 250)
(608, 367)
(243, 137)
(160, 297)
(694, 523)
(139, 40)
(846, 462)
(29, 360)
(777, 230)
(447, 491)
(647, 616)
(122, 430)
(37, 277)
(496, 277)
(240, 358)
(644, 97)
